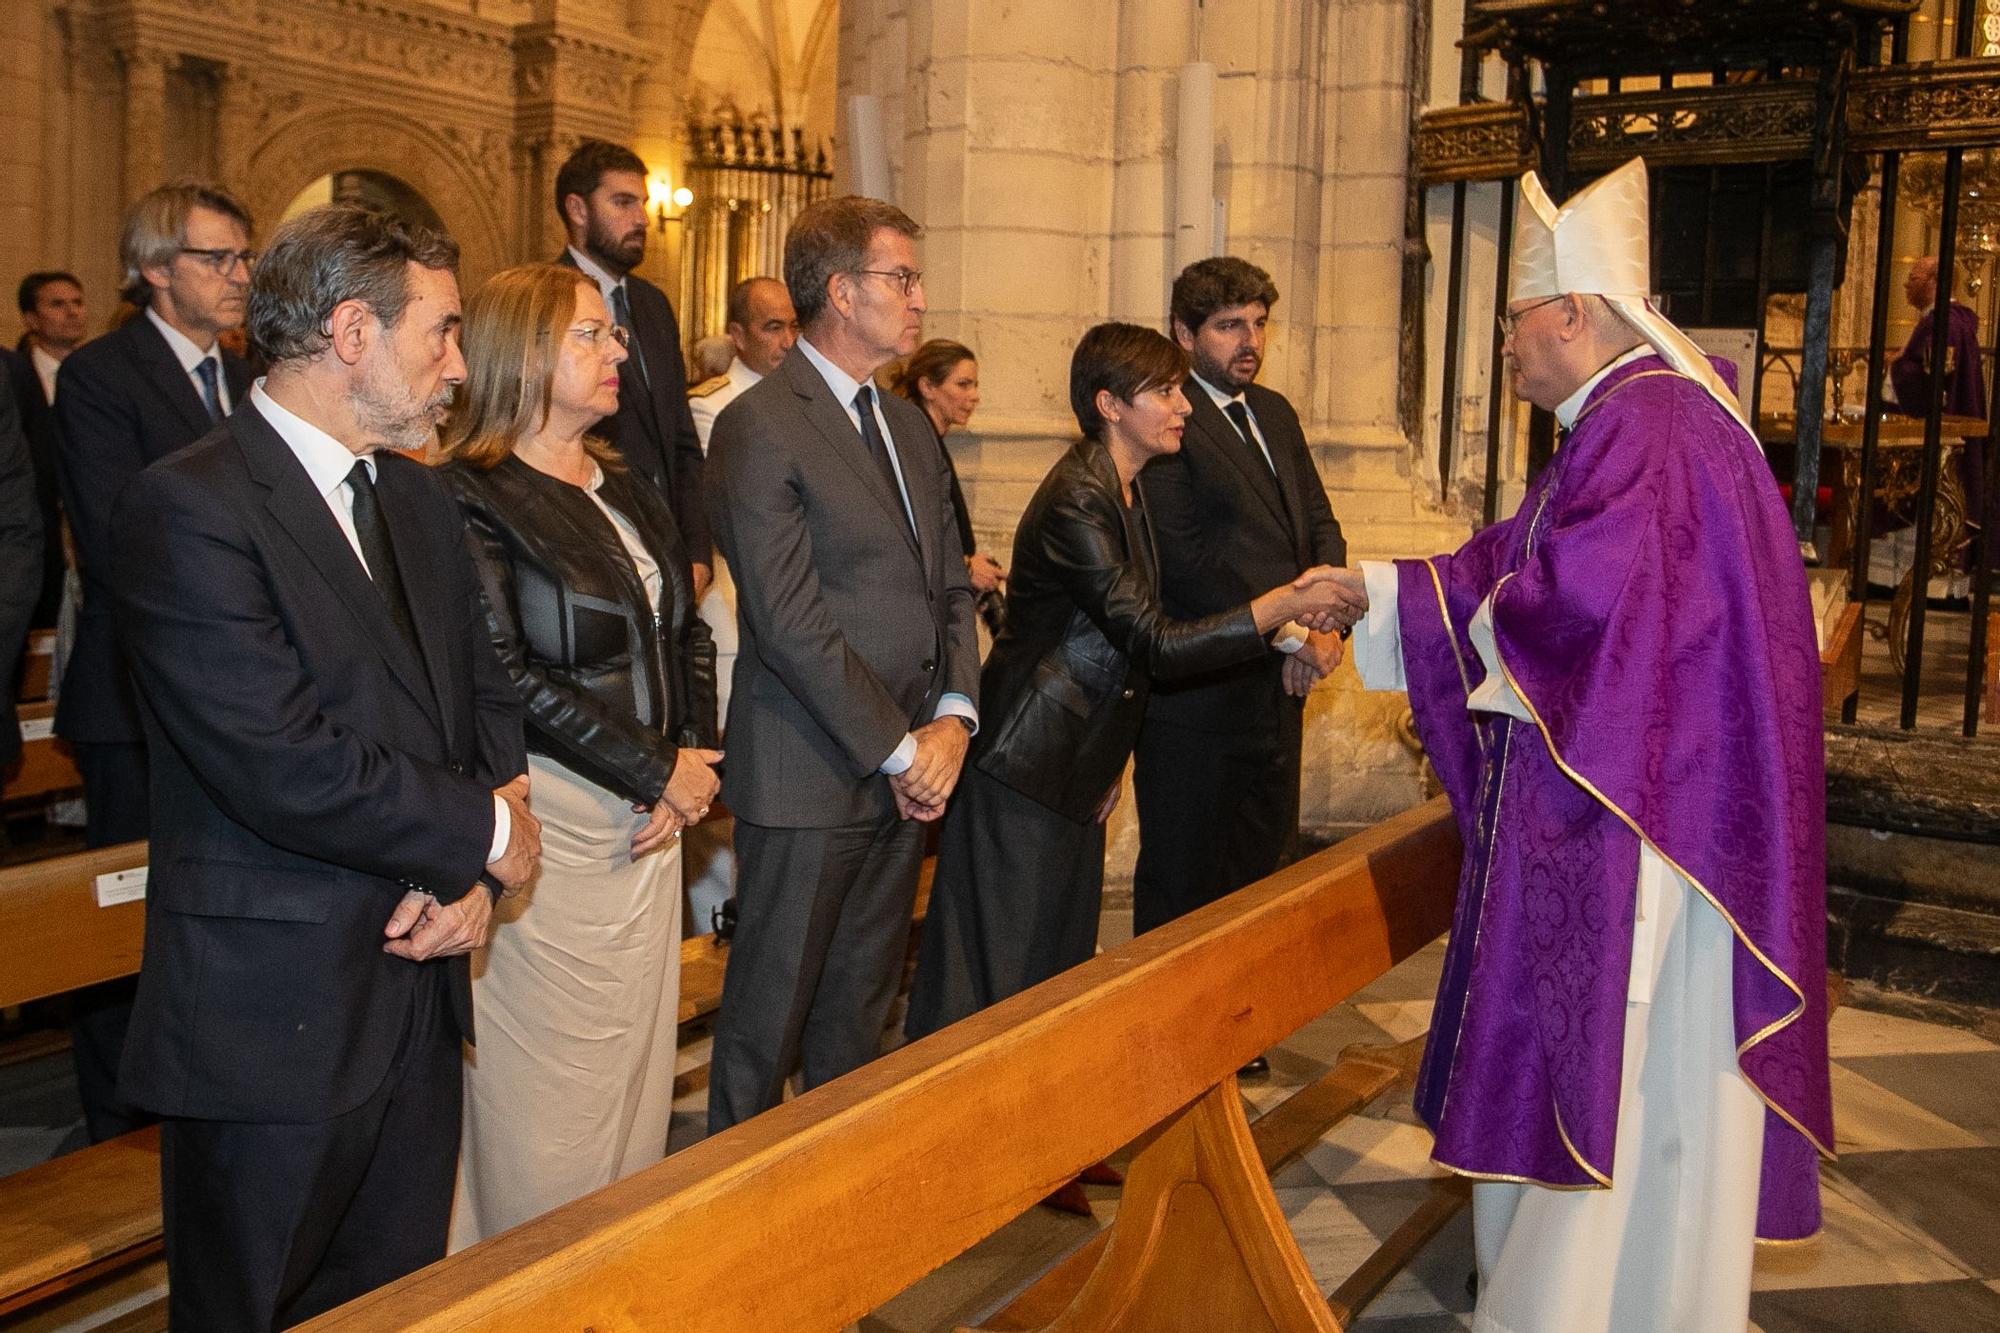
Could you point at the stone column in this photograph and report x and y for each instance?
(21, 121)
(145, 118)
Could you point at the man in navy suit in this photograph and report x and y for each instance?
(601, 195)
(1241, 507)
(338, 787)
(155, 385)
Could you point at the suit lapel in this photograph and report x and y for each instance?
(1241, 453)
(1295, 473)
(837, 428)
(164, 370)
(302, 513)
(415, 540)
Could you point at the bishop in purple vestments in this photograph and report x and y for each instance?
(1619, 689)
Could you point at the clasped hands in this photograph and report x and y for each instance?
(690, 791)
(1330, 600)
(422, 928)
(1333, 600)
(923, 788)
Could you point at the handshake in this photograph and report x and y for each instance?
(1327, 600)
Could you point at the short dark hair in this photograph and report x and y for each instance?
(584, 170)
(31, 286)
(737, 308)
(1127, 359)
(1209, 285)
(832, 237)
(330, 254)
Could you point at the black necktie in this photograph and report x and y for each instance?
(1240, 414)
(378, 552)
(621, 310)
(211, 395)
(871, 435)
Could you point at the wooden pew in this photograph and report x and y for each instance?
(1840, 663)
(72, 1220)
(817, 1212)
(46, 765)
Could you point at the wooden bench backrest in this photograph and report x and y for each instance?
(46, 764)
(819, 1211)
(53, 935)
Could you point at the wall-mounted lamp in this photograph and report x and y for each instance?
(665, 202)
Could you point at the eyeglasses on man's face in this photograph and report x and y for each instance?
(222, 262)
(909, 279)
(1512, 319)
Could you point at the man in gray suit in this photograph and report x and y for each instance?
(857, 670)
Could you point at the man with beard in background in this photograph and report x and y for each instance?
(601, 195)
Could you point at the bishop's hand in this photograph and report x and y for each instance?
(1330, 600)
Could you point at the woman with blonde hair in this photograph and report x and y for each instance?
(590, 603)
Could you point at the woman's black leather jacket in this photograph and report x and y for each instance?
(613, 686)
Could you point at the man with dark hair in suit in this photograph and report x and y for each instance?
(857, 669)
(20, 564)
(601, 197)
(54, 323)
(339, 782)
(157, 384)
(1239, 509)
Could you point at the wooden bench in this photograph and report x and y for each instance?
(1840, 663)
(68, 1222)
(817, 1212)
(46, 766)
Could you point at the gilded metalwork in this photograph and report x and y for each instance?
(1908, 108)
(1590, 35)
(1477, 141)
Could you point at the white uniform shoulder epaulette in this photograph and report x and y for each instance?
(708, 386)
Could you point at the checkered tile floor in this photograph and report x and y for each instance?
(1912, 1238)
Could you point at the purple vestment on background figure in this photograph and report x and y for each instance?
(1964, 390)
(1650, 609)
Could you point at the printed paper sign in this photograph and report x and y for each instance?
(121, 886)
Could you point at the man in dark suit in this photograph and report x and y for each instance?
(136, 394)
(857, 670)
(54, 323)
(1238, 510)
(339, 788)
(601, 195)
(20, 564)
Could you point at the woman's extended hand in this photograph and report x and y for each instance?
(1333, 599)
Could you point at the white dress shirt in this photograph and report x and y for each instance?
(46, 366)
(191, 357)
(1222, 402)
(845, 387)
(327, 463)
(597, 273)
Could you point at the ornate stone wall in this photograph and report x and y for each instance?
(472, 103)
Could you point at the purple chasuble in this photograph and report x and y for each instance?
(1964, 389)
(1650, 610)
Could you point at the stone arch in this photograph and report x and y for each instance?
(462, 174)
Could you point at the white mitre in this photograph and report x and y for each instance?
(1598, 245)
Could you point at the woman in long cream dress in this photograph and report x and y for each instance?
(591, 606)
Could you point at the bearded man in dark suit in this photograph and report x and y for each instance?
(601, 195)
(338, 790)
(1239, 509)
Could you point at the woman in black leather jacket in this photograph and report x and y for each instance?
(1021, 864)
(590, 603)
